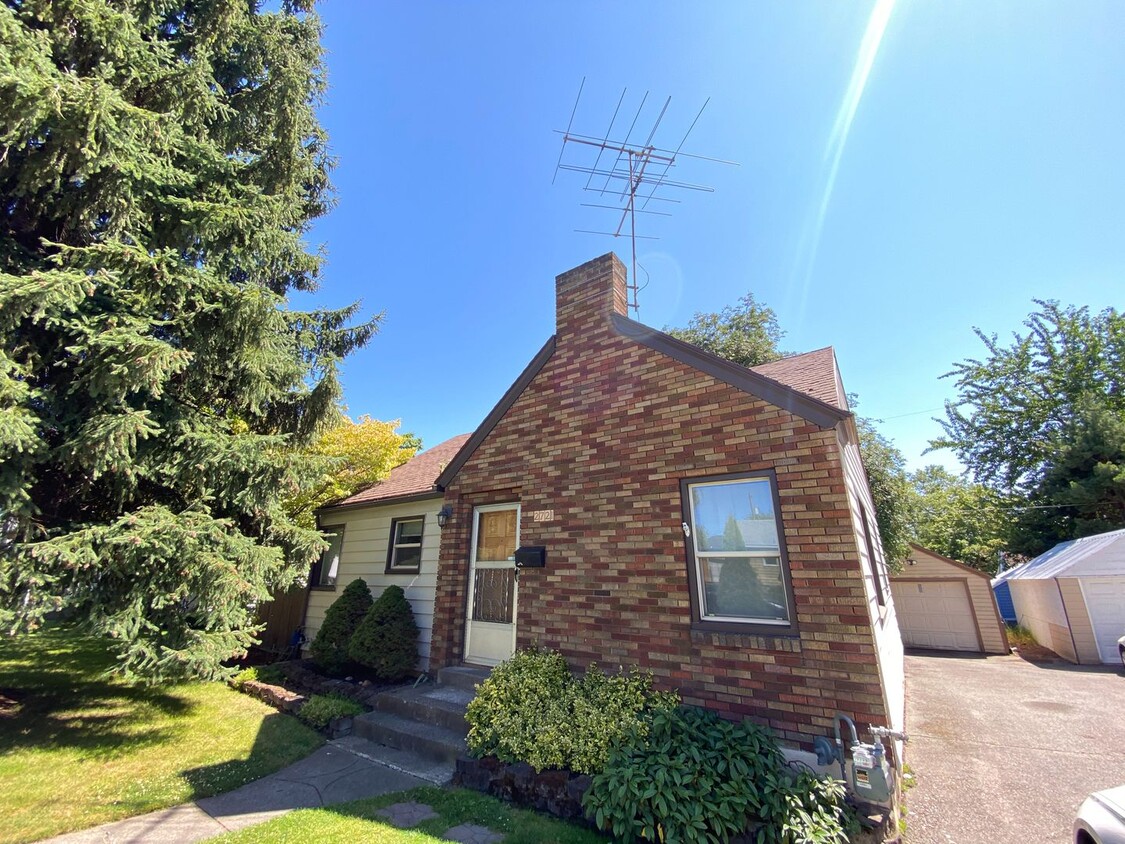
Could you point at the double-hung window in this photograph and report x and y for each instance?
(405, 553)
(738, 571)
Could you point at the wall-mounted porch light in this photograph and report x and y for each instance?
(443, 515)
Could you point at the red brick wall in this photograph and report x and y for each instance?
(602, 436)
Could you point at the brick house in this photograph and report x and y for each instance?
(704, 521)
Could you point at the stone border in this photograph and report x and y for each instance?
(556, 792)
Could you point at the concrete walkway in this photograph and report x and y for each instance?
(336, 773)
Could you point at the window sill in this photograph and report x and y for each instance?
(403, 571)
(746, 636)
(322, 588)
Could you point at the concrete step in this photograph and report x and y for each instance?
(437, 772)
(426, 740)
(441, 706)
(462, 676)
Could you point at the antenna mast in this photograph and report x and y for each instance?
(633, 178)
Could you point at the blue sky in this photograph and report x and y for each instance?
(906, 171)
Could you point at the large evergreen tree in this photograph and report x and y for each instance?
(160, 164)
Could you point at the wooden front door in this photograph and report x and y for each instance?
(490, 635)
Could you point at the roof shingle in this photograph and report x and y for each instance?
(812, 373)
(414, 477)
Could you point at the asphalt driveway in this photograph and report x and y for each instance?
(1004, 750)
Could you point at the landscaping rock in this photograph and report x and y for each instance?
(406, 815)
(471, 833)
(557, 792)
(276, 696)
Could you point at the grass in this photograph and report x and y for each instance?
(350, 822)
(1020, 636)
(79, 748)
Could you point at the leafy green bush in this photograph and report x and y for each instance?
(531, 709)
(330, 647)
(698, 778)
(257, 674)
(386, 641)
(246, 675)
(319, 710)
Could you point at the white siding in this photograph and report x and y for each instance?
(884, 623)
(367, 534)
(1039, 608)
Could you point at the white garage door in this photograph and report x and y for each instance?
(935, 614)
(1105, 600)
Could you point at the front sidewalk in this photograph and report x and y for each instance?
(333, 774)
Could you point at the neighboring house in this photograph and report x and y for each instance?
(703, 521)
(386, 534)
(946, 605)
(1072, 598)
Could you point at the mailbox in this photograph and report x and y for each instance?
(531, 557)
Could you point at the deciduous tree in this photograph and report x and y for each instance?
(953, 516)
(354, 455)
(1042, 417)
(746, 333)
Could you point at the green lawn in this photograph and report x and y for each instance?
(351, 822)
(78, 748)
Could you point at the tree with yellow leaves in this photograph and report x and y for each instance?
(354, 455)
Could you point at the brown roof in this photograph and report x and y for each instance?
(813, 373)
(414, 477)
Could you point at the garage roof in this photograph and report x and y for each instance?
(1103, 554)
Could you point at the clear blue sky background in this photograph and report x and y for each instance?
(978, 165)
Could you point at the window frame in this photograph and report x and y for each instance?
(873, 561)
(757, 627)
(392, 545)
(316, 573)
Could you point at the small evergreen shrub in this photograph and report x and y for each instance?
(330, 647)
(531, 709)
(320, 710)
(386, 641)
(698, 779)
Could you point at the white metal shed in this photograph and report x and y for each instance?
(1072, 598)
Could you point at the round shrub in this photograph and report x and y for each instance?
(330, 647)
(320, 710)
(386, 641)
(531, 709)
(695, 778)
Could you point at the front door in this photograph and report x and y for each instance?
(490, 635)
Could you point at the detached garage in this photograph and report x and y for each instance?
(1072, 598)
(945, 605)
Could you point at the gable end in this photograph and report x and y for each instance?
(814, 410)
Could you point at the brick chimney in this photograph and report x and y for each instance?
(587, 296)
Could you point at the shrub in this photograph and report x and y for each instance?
(531, 709)
(386, 641)
(697, 778)
(246, 675)
(271, 674)
(330, 647)
(320, 710)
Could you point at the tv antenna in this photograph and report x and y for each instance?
(630, 182)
